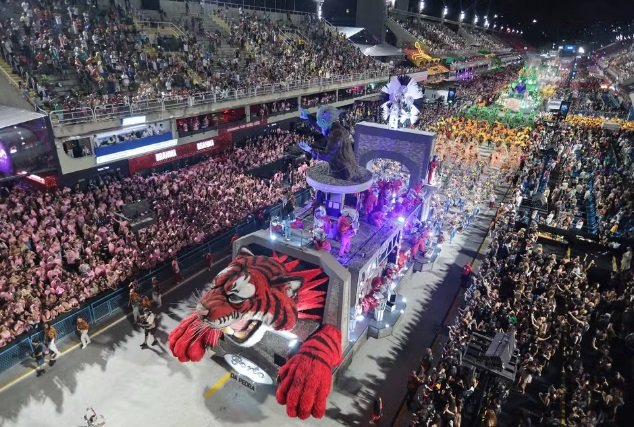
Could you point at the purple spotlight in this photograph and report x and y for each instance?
(6, 166)
(401, 219)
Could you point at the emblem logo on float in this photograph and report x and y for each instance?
(165, 155)
(247, 368)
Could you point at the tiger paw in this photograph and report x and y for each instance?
(306, 379)
(189, 340)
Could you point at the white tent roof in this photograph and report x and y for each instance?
(10, 116)
(349, 31)
(383, 49)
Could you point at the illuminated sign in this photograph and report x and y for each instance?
(37, 179)
(130, 121)
(136, 151)
(165, 155)
(204, 144)
(247, 368)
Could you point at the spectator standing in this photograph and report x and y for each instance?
(427, 362)
(413, 383)
(82, 328)
(209, 260)
(176, 269)
(38, 355)
(50, 335)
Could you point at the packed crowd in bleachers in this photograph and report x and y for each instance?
(623, 63)
(436, 37)
(485, 40)
(61, 248)
(114, 61)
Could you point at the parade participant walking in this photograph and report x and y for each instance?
(148, 323)
(38, 355)
(50, 335)
(157, 294)
(135, 303)
(82, 328)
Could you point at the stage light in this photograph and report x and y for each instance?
(534, 21)
(495, 16)
(445, 11)
(401, 219)
(462, 16)
(421, 6)
(273, 237)
(475, 20)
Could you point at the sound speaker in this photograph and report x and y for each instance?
(499, 352)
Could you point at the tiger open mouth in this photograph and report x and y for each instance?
(241, 330)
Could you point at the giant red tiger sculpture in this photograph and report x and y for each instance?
(258, 292)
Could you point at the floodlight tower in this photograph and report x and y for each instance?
(319, 4)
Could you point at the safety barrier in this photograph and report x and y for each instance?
(113, 304)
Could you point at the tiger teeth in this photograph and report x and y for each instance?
(240, 335)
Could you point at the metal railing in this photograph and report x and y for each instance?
(159, 25)
(155, 105)
(114, 303)
(251, 7)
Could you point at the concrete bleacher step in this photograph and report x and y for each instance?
(485, 151)
(8, 73)
(221, 23)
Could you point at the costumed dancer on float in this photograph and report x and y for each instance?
(345, 230)
(431, 170)
(320, 240)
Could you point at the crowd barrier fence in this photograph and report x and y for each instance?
(102, 309)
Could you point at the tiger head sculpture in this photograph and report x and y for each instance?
(252, 294)
(256, 293)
